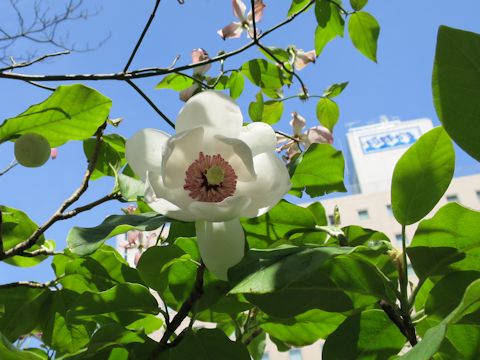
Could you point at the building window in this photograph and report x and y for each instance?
(478, 195)
(295, 354)
(363, 215)
(389, 209)
(265, 356)
(331, 220)
(452, 198)
(398, 237)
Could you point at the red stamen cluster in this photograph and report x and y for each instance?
(197, 184)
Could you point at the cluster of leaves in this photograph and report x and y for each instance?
(301, 279)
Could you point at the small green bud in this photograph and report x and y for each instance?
(32, 150)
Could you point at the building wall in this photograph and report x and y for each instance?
(375, 149)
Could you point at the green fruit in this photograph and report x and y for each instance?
(32, 150)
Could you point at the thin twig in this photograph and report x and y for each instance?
(140, 39)
(151, 103)
(59, 214)
(30, 284)
(31, 62)
(9, 167)
(40, 252)
(195, 295)
(1, 236)
(150, 72)
(41, 86)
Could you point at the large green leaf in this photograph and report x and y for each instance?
(84, 241)
(16, 228)
(208, 344)
(422, 176)
(367, 335)
(264, 230)
(72, 112)
(364, 31)
(449, 241)
(236, 84)
(456, 86)
(296, 6)
(434, 337)
(303, 329)
(287, 281)
(358, 4)
(22, 310)
(264, 74)
(125, 297)
(330, 24)
(462, 342)
(110, 336)
(320, 171)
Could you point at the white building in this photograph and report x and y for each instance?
(371, 154)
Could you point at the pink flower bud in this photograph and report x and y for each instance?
(303, 58)
(199, 55)
(319, 134)
(298, 123)
(54, 153)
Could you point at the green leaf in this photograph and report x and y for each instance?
(22, 310)
(10, 352)
(110, 336)
(208, 344)
(176, 82)
(364, 31)
(330, 24)
(264, 230)
(124, 297)
(327, 113)
(257, 347)
(287, 281)
(16, 228)
(464, 340)
(297, 5)
(422, 176)
(358, 4)
(272, 111)
(60, 334)
(255, 108)
(456, 86)
(84, 241)
(111, 154)
(236, 84)
(73, 112)
(278, 53)
(264, 74)
(335, 89)
(434, 336)
(366, 335)
(449, 241)
(320, 171)
(447, 293)
(130, 188)
(303, 329)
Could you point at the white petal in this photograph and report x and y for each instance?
(168, 202)
(144, 151)
(231, 31)
(181, 150)
(273, 182)
(222, 245)
(216, 112)
(259, 137)
(239, 156)
(228, 209)
(239, 9)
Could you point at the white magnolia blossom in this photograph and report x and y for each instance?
(212, 171)
(235, 29)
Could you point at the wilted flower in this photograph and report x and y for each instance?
(292, 145)
(212, 171)
(235, 29)
(198, 55)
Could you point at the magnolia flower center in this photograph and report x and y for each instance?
(210, 178)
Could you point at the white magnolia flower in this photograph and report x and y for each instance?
(213, 171)
(235, 29)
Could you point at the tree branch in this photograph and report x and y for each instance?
(195, 295)
(151, 103)
(144, 32)
(403, 324)
(150, 72)
(31, 62)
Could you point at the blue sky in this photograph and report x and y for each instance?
(399, 85)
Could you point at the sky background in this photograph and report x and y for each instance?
(398, 86)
